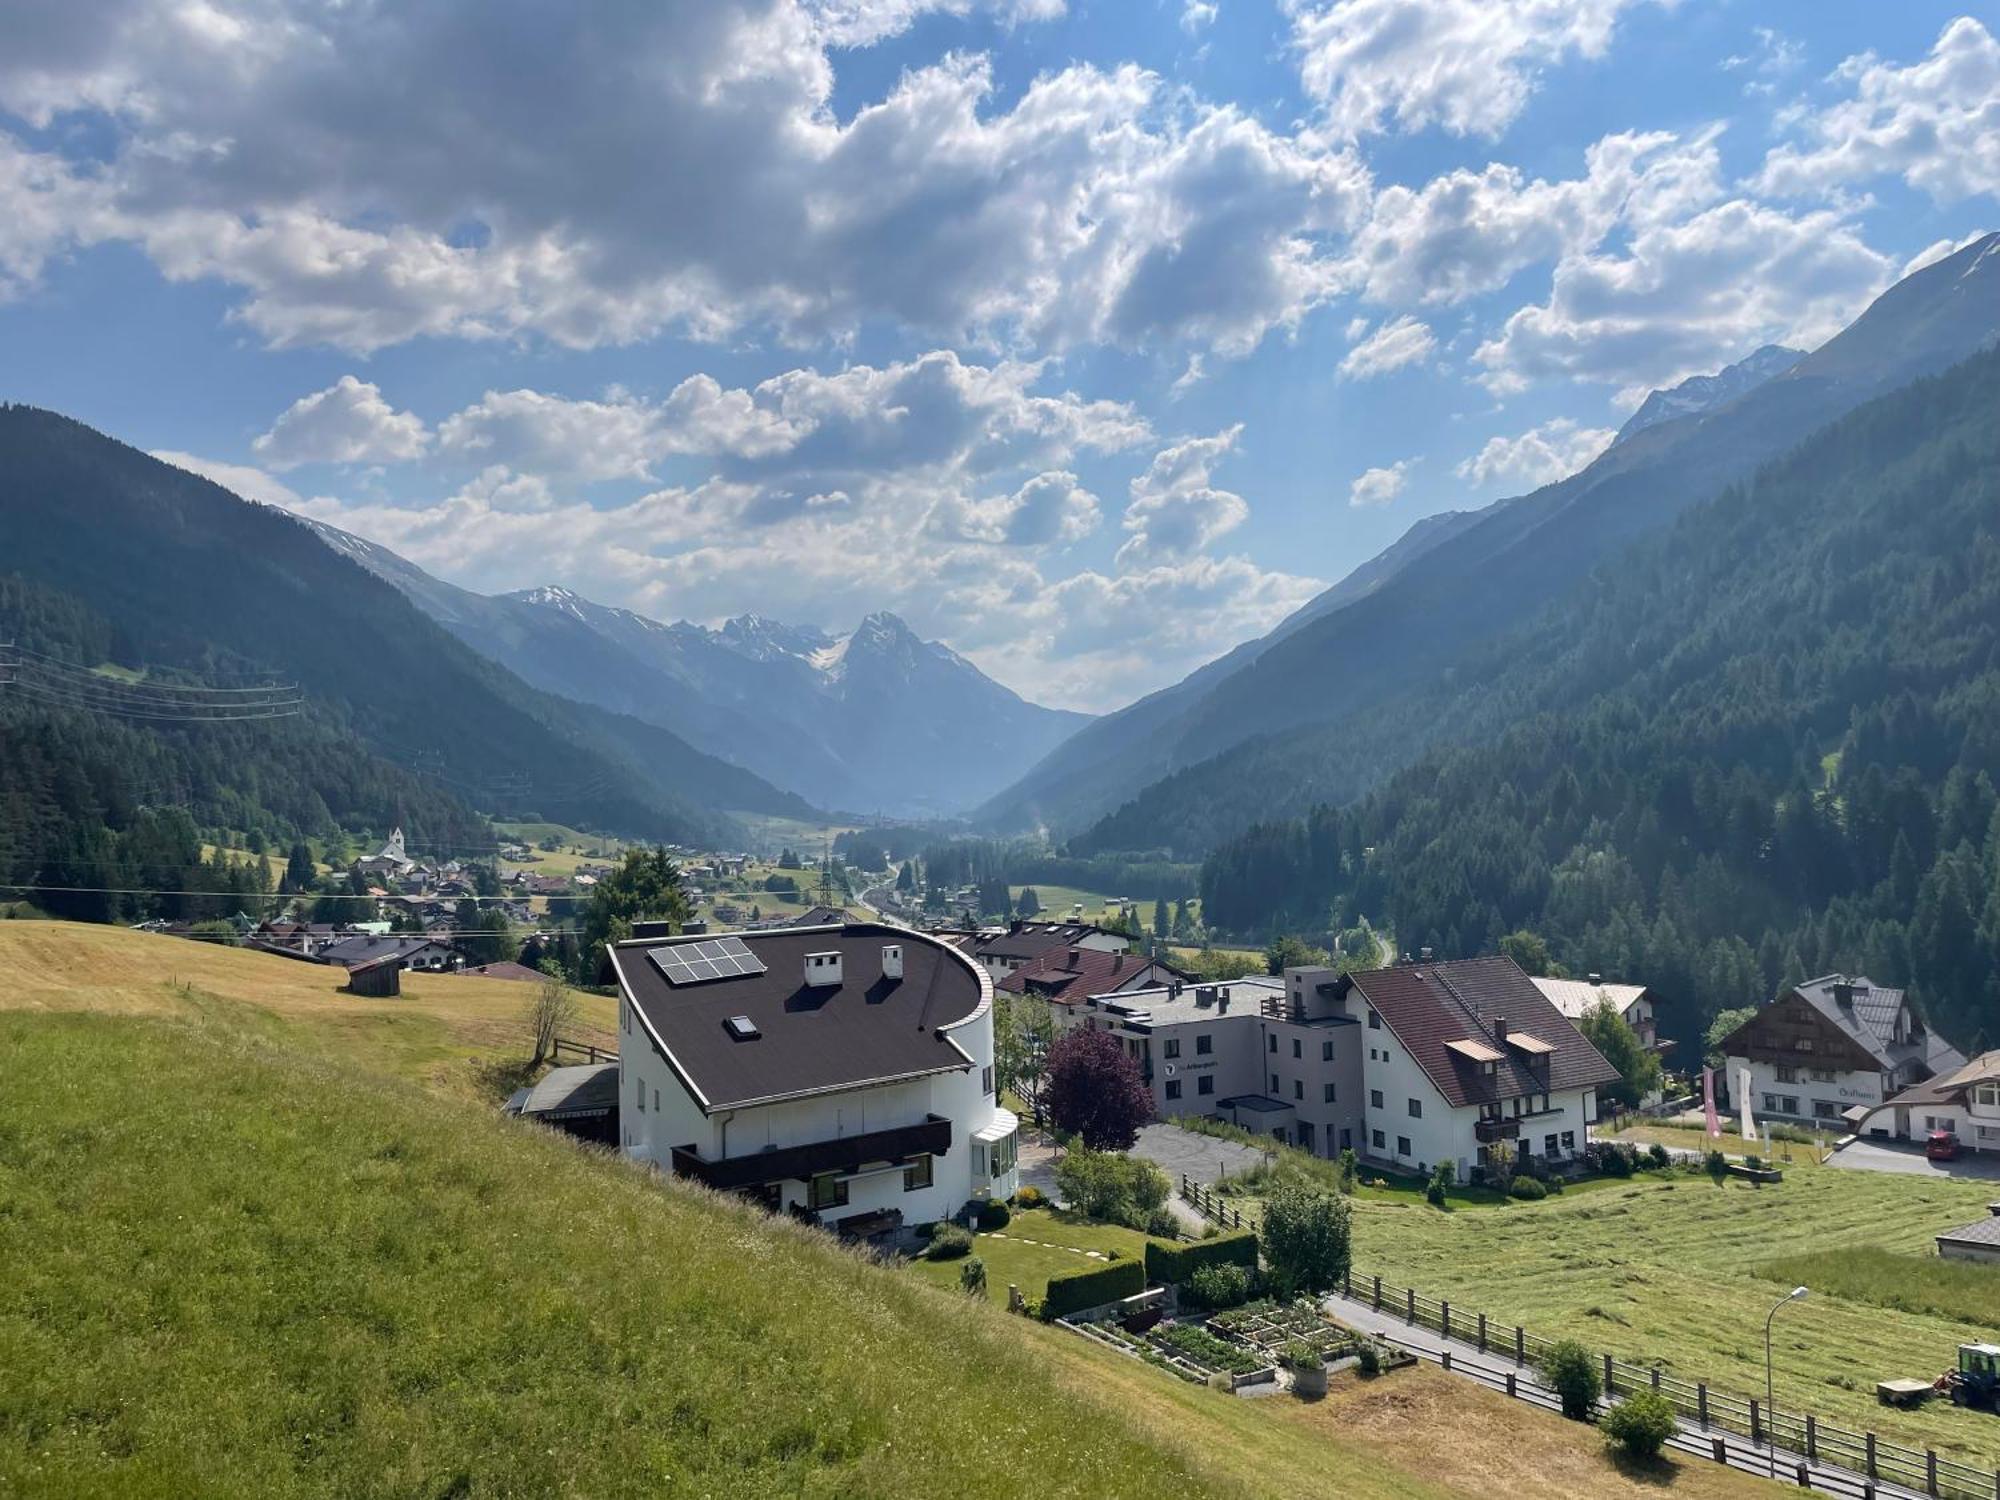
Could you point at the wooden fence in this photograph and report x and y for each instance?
(588, 1051)
(1863, 1453)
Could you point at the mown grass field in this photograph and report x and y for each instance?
(1036, 1244)
(250, 1247)
(458, 1035)
(1673, 1270)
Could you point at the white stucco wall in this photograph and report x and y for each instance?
(1843, 1090)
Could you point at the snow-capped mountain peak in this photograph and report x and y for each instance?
(1700, 392)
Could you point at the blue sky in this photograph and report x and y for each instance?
(1091, 338)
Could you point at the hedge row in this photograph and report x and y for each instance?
(1168, 1262)
(1093, 1286)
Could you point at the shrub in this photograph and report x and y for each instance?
(1105, 1185)
(1439, 1185)
(1661, 1161)
(1217, 1287)
(1162, 1223)
(1093, 1286)
(1349, 1170)
(1030, 1197)
(1300, 1355)
(1368, 1358)
(972, 1277)
(992, 1214)
(1641, 1424)
(1170, 1262)
(1754, 1163)
(1717, 1166)
(948, 1241)
(1572, 1374)
(1527, 1189)
(1614, 1161)
(1307, 1239)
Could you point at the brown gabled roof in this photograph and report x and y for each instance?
(1428, 1006)
(1068, 975)
(1034, 940)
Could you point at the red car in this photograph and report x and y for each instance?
(1941, 1145)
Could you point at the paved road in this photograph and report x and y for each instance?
(1202, 1158)
(1892, 1156)
(1467, 1358)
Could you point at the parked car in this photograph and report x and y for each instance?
(1941, 1145)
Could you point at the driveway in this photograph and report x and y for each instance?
(1901, 1156)
(1202, 1158)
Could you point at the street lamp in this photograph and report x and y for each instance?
(1771, 1434)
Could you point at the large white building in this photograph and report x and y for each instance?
(843, 1073)
(1407, 1066)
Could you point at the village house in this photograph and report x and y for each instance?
(1577, 998)
(1964, 1103)
(1066, 976)
(843, 1073)
(390, 862)
(1024, 943)
(408, 952)
(1832, 1051)
(1464, 1062)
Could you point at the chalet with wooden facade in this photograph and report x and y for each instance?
(1832, 1051)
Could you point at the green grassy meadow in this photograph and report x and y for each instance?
(1675, 1270)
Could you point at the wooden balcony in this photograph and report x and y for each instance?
(1486, 1132)
(847, 1153)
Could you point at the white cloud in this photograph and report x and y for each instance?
(1468, 232)
(1931, 254)
(1465, 66)
(1197, 15)
(364, 176)
(1539, 456)
(1380, 486)
(1684, 298)
(347, 423)
(1175, 511)
(580, 441)
(1398, 342)
(1935, 124)
(1051, 509)
(1775, 56)
(862, 23)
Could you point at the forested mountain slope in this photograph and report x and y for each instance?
(197, 580)
(1419, 629)
(1762, 745)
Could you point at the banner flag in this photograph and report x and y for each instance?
(1708, 1103)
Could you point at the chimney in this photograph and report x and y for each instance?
(892, 960)
(1500, 1030)
(1204, 994)
(1424, 954)
(1117, 962)
(1597, 979)
(1222, 998)
(1843, 994)
(822, 969)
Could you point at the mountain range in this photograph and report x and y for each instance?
(877, 720)
(197, 580)
(1337, 697)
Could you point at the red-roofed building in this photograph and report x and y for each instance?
(1067, 976)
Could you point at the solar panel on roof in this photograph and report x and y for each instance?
(712, 958)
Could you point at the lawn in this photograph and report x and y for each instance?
(457, 1034)
(1035, 1245)
(1058, 899)
(1960, 1290)
(1669, 1269)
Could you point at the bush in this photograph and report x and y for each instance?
(1307, 1239)
(992, 1213)
(1217, 1287)
(1105, 1185)
(1754, 1163)
(948, 1241)
(1162, 1223)
(1717, 1166)
(1349, 1170)
(1168, 1262)
(1661, 1161)
(1641, 1424)
(1030, 1197)
(1572, 1374)
(1614, 1161)
(1368, 1358)
(1300, 1355)
(972, 1277)
(1527, 1189)
(1439, 1185)
(1093, 1286)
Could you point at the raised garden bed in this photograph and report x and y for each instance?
(1266, 1328)
(1758, 1175)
